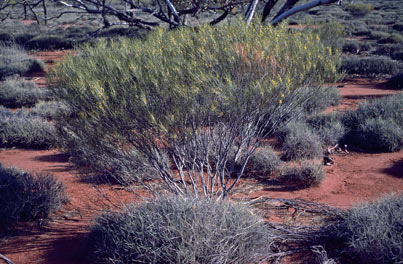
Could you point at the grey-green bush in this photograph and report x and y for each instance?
(369, 66)
(324, 96)
(308, 174)
(372, 232)
(264, 160)
(359, 9)
(328, 127)
(300, 142)
(16, 93)
(376, 126)
(15, 61)
(25, 197)
(21, 130)
(379, 135)
(179, 230)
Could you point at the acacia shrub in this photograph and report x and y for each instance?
(160, 93)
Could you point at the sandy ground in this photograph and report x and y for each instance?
(355, 177)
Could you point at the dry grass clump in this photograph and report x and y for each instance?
(179, 229)
(25, 197)
(15, 61)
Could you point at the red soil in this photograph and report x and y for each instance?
(357, 90)
(355, 177)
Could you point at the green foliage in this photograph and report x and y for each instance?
(25, 197)
(21, 130)
(179, 230)
(372, 232)
(359, 9)
(396, 82)
(264, 160)
(369, 66)
(300, 142)
(15, 93)
(308, 174)
(14, 60)
(127, 89)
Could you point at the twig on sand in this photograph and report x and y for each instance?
(6, 259)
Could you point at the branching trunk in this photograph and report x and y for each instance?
(267, 9)
(281, 16)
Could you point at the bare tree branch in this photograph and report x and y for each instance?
(267, 9)
(251, 11)
(302, 8)
(6, 259)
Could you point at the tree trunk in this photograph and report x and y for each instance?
(251, 11)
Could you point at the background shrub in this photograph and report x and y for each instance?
(329, 127)
(392, 38)
(322, 98)
(379, 134)
(388, 49)
(49, 42)
(379, 35)
(16, 93)
(21, 130)
(264, 160)
(300, 142)
(396, 82)
(359, 9)
(179, 230)
(13, 60)
(369, 66)
(308, 174)
(371, 232)
(25, 197)
(398, 26)
(376, 126)
(397, 55)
